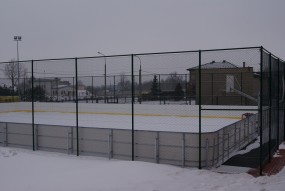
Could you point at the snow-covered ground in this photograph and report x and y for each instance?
(152, 123)
(26, 170)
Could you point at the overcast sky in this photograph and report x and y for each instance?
(69, 28)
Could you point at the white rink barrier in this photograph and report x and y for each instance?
(175, 148)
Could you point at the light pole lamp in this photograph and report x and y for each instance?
(105, 77)
(17, 39)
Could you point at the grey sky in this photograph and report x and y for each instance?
(69, 28)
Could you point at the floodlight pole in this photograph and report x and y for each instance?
(105, 77)
(17, 39)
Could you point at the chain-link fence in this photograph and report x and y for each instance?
(192, 108)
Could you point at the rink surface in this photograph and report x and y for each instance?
(141, 122)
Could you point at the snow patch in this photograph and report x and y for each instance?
(5, 152)
(34, 171)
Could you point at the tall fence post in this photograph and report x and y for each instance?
(92, 90)
(133, 101)
(270, 108)
(260, 112)
(105, 80)
(186, 89)
(114, 89)
(283, 101)
(200, 122)
(212, 90)
(241, 88)
(33, 107)
(76, 102)
(278, 98)
(159, 87)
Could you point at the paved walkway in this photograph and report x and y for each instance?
(250, 160)
(271, 168)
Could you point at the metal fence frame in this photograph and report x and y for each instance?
(227, 137)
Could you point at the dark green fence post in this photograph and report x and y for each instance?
(200, 122)
(76, 103)
(114, 88)
(133, 96)
(105, 81)
(33, 108)
(283, 101)
(270, 107)
(241, 83)
(92, 90)
(278, 97)
(159, 90)
(260, 112)
(212, 91)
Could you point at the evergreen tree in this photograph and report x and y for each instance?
(155, 88)
(7, 91)
(179, 93)
(39, 94)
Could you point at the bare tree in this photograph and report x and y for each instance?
(12, 72)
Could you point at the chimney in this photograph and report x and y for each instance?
(243, 64)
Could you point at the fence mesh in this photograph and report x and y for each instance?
(196, 108)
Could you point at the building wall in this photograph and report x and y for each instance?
(46, 85)
(214, 86)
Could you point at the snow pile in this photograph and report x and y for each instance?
(26, 170)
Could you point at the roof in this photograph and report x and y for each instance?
(214, 64)
(61, 86)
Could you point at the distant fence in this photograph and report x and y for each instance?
(221, 78)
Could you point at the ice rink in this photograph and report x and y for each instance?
(151, 123)
(174, 118)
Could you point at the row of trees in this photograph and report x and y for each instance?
(167, 86)
(15, 71)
